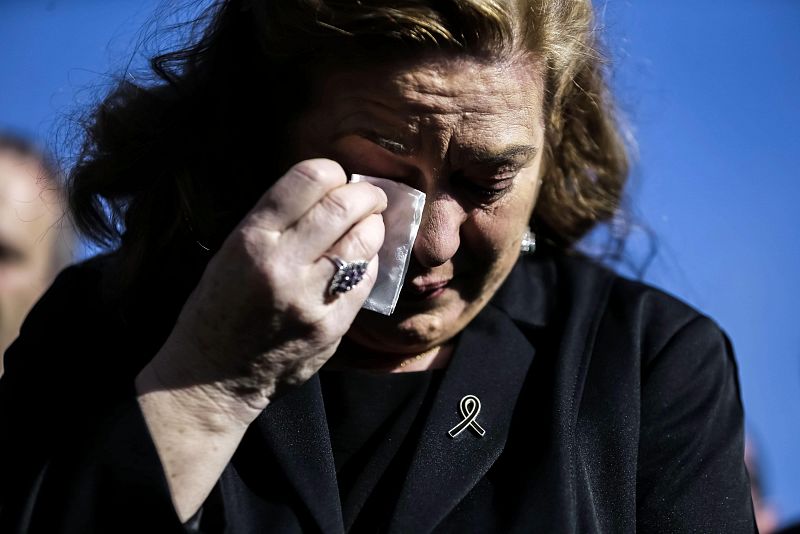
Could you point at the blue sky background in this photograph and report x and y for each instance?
(711, 93)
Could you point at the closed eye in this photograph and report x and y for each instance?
(484, 191)
(390, 144)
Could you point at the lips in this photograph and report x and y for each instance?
(428, 286)
(424, 289)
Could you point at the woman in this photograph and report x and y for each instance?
(216, 378)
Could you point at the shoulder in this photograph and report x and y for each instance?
(72, 334)
(556, 287)
(621, 293)
(601, 316)
(72, 300)
(657, 400)
(637, 345)
(648, 316)
(78, 285)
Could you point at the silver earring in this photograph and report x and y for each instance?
(528, 243)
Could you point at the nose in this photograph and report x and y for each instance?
(438, 237)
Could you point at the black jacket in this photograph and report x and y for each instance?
(608, 407)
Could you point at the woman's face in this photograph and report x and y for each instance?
(469, 134)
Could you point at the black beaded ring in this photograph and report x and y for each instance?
(348, 274)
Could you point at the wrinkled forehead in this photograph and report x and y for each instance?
(437, 90)
(445, 109)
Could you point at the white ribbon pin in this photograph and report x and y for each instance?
(470, 407)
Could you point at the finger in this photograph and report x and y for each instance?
(296, 192)
(333, 217)
(343, 307)
(360, 243)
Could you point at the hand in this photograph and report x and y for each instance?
(261, 317)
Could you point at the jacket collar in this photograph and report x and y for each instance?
(528, 294)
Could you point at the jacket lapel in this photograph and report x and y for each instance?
(457, 464)
(295, 429)
(491, 362)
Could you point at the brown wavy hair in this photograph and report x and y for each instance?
(173, 161)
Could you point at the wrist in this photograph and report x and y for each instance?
(200, 397)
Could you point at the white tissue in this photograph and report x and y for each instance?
(401, 218)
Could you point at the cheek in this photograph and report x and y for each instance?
(489, 236)
(494, 233)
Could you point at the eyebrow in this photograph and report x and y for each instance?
(511, 154)
(392, 145)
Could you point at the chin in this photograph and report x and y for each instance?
(404, 331)
(414, 326)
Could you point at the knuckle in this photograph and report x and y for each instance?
(377, 227)
(237, 240)
(275, 275)
(336, 204)
(251, 241)
(238, 245)
(363, 244)
(319, 173)
(381, 200)
(371, 235)
(360, 245)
